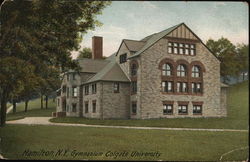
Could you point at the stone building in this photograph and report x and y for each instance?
(167, 74)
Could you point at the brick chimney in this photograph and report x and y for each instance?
(96, 47)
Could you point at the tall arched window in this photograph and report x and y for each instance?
(196, 72)
(133, 69)
(182, 70)
(166, 70)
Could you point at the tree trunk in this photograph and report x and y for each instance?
(3, 111)
(14, 105)
(41, 101)
(46, 100)
(26, 105)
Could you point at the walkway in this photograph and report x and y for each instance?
(45, 121)
(9, 109)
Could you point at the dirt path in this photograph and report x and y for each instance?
(9, 109)
(45, 121)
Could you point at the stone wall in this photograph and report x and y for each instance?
(151, 96)
(116, 105)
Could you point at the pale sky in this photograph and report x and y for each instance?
(137, 19)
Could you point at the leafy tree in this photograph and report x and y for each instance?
(243, 58)
(13, 75)
(85, 53)
(226, 53)
(40, 33)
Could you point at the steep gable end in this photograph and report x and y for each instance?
(184, 32)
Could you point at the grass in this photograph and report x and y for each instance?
(238, 110)
(172, 145)
(34, 110)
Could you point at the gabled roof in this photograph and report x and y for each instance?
(111, 72)
(92, 65)
(152, 39)
(134, 45)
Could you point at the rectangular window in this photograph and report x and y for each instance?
(167, 109)
(67, 92)
(182, 87)
(58, 102)
(86, 90)
(197, 109)
(181, 48)
(94, 106)
(86, 107)
(170, 50)
(94, 88)
(181, 51)
(74, 91)
(67, 108)
(183, 109)
(196, 88)
(74, 76)
(134, 108)
(175, 50)
(67, 77)
(73, 107)
(134, 86)
(64, 89)
(167, 86)
(116, 88)
(123, 58)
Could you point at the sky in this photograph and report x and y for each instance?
(137, 19)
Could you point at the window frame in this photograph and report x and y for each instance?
(86, 107)
(134, 107)
(86, 89)
(167, 69)
(165, 86)
(94, 107)
(181, 106)
(116, 87)
(195, 109)
(182, 69)
(168, 113)
(123, 58)
(74, 91)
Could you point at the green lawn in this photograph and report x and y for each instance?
(237, 115)
(33, 110)
(172, 145)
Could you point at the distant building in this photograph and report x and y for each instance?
(167, 74)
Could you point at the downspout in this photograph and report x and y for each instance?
(101, 101)
(140, 86)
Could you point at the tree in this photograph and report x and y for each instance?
(13, 75)
(41, 33)
(85, 53)
(226, 53)
(243, 58)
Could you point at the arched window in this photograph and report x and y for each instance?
(181, 70)
(166, 70)
(196, 71)
(133, 69)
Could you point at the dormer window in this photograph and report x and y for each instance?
(123, 58)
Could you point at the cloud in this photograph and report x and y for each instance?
(148, 5)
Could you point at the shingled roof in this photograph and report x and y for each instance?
(111, 72)
(151, 39)
(134, 45)
(92, 65)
